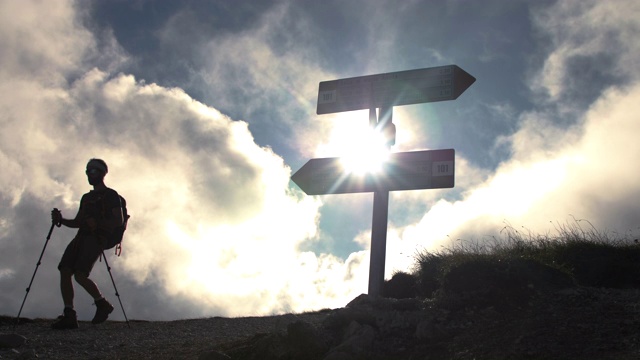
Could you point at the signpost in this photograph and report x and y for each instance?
(414, 170)
(392, 89)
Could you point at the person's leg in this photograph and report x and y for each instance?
(92, 250)
(103, 307)
(66, 288)
(88, 285)
(66, 268)
(68, 320)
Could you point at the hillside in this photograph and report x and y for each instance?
(573, 323)
(568, 298)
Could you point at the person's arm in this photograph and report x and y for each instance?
(56, 217)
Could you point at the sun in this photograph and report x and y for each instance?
(361, 149)
(366, 155)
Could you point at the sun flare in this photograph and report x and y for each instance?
(361, 150)
(367, 154)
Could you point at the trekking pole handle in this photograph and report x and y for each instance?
(58, 223)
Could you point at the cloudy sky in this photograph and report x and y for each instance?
(204, 109)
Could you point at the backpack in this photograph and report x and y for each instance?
(115, 240)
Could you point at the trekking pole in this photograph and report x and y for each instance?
(34, 275)
(115, 288)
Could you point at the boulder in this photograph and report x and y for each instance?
(9, 341)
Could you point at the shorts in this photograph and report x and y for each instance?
(81, 254)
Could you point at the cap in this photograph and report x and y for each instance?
(98, 164)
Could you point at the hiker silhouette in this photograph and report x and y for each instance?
(99, 214)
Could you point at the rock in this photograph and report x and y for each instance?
(305, 341)
(385, 315)
(360, 340)
(11, 340)
(271, 346)
(381, 303)
(343, 317)
(429, 330)
(352, 330)
(360, 300)
(407, 304)
(371, 302)
(283, 322)
(28, 354)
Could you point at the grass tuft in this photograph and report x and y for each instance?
(519, 263)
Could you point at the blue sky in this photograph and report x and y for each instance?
(204, 109)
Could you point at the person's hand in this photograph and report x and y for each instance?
(92, 224)
(56, 217)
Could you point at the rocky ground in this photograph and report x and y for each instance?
(569, 323)
(181, 339)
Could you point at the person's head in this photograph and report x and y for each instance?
(96, 171)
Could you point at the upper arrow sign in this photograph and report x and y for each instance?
(398, 88)
(428, 169)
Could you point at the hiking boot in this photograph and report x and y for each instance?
(68, 320)
(102, 312)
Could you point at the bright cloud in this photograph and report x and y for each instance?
(216, 228)
(214, 224)
(599, 39)
(584, 170)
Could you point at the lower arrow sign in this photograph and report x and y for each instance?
(415, 170)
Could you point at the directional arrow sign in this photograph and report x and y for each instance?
(429, 169)
(397, 88)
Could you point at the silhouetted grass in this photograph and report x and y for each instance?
(577, 254)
